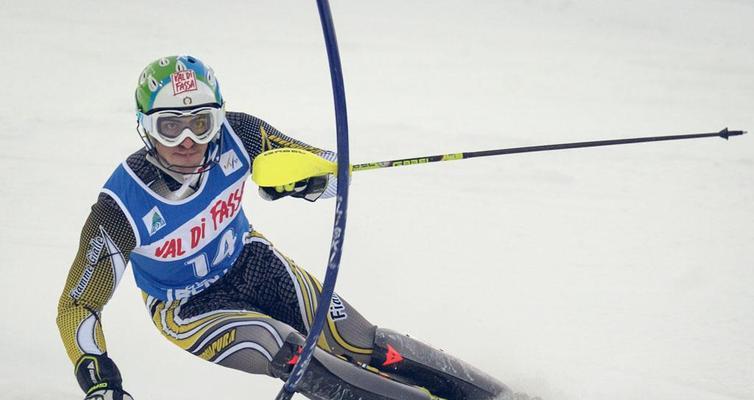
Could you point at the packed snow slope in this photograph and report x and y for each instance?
(612, 273)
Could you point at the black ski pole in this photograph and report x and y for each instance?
(725, 134)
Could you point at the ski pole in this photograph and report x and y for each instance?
(284, 166)
(725, 134)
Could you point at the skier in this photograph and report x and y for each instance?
(214, 285)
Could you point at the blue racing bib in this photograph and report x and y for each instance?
(184, 246)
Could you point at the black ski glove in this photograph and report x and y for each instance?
(310, 189)
(100, 378)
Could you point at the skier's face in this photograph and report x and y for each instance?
(185, 157)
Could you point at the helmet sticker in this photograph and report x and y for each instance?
(164, 62)
(183, 81)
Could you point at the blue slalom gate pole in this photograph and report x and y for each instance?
(341, 205)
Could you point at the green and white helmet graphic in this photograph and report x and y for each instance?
(177, 82)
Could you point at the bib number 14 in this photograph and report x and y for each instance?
(225, 248)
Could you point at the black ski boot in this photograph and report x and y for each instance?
(329, 377)
(422, 365)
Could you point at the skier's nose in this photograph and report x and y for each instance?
(187, 143)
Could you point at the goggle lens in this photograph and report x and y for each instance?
(172, 126)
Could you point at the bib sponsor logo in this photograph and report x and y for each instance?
(154, 221)
(200, 230)
(183, 81)
(229, 162)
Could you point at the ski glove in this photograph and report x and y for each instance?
(109, 395)
(99, 378)
(310, 189)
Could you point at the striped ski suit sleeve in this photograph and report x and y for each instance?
(106, 241)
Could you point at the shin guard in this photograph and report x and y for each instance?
(331, 378)
(422, 365)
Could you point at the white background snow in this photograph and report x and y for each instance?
(611, 273)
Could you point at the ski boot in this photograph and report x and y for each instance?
(422, 365)
(329, 377)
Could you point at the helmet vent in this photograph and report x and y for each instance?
(152, 83)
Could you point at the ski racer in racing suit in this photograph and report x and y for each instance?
(213, 285)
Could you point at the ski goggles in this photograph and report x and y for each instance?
(172, 126)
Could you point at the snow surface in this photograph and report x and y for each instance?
(611, 273)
